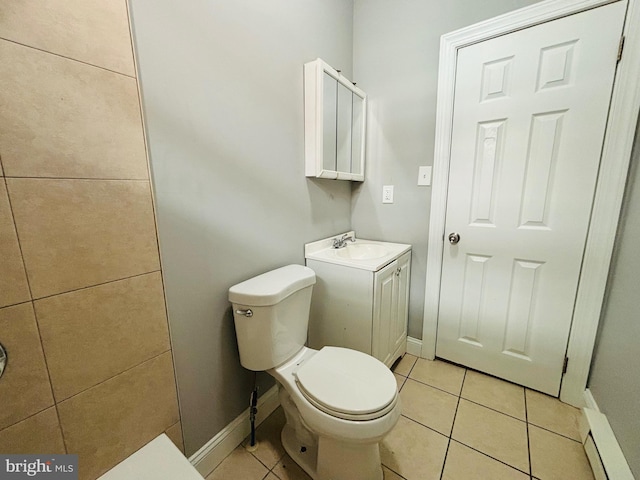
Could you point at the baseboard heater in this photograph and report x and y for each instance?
(602, 448)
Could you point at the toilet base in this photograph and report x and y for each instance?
(332, 459)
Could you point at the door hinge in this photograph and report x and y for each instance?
(620, 48)
(564, 365)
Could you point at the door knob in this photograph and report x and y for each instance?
(454, 238)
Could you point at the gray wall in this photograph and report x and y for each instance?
(396, 49)
(614, 380)
(223, 102)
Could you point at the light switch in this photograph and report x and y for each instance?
(387, 194)
(424, 175)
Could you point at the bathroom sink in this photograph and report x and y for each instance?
(363, 254)
(362, 251)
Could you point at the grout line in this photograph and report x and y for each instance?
(96, 285)
(494, 410)
(15, 227)
(526, 416)
(489, 456)
(455, 414)
(46, 364)
(555, 433)
(433, 386)
(96, 179)
(114, 376)
(82, 62)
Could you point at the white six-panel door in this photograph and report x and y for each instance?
(530, 114)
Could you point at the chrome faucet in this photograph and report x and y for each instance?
(342, 241)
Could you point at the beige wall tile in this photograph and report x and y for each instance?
(390, 475)
(36, 435)
(495, 434)
(557, 458)
(429, 406)
(110, 421)
(13, 280)
(463, 463)
(174, 433)
(24, 387)
(93, 31)
(439, 374)
(60, 118)
(92, 334)
(550, 413)
(414, 451)
(77, 233)
(494, 393)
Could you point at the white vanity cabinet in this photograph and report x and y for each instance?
(362, 309)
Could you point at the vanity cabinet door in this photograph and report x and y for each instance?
(401, 317)
(390, 311)
(384, 312)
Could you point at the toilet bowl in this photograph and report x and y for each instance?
(339, 403)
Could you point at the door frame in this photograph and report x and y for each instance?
(614, 166)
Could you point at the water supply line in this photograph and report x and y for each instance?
(253, 410)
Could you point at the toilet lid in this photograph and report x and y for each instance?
(347, 383)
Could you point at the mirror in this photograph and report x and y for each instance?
(335, 113)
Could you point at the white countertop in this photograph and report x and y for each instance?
(323, 251)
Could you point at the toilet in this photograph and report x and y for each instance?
(339, 403)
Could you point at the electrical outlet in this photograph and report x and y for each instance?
(424, 175)
(387, 194)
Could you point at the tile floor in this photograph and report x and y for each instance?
(457, 424)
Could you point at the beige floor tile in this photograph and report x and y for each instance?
(13, 279)
(464, 463)
(79, 233)
(495, 434)
(270, 449)
(87, 122)
(110, 421)
(24, 387)
(400, 379)
(91, 31)
(494, 393)
(554, 457)
(287, 469)
(439, 374)
(429, 406)
(414, 451)
(240, 464)
(271, 476)
(404, 366)
(389, 474)
(550, 413)
(35, 435)
(79, 330)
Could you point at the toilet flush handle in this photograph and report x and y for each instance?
(247, 313)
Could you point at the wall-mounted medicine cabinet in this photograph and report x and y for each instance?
(335, 113)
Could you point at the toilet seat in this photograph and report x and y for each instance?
(347, 384)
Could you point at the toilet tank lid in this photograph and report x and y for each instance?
(272, 287)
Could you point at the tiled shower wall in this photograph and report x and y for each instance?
(82, 312)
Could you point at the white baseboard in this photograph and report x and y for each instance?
(414, 346)
(601, 446)
(216, 450)
(589, 401)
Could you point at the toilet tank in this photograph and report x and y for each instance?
(275, 329)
